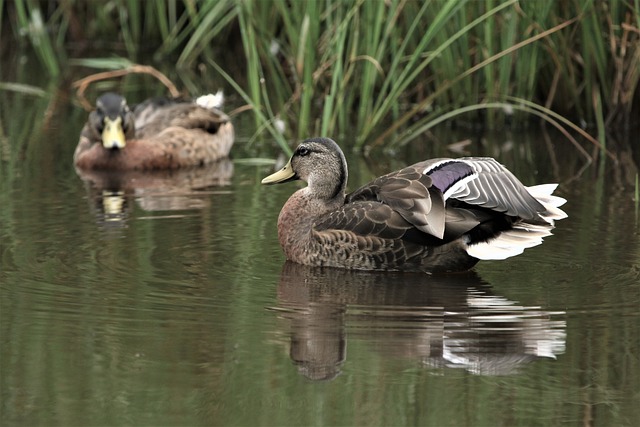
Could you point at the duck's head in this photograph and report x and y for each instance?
(112, 121)
(319, 162)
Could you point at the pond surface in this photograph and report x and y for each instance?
(165, 300)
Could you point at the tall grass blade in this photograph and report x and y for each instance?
(210, 22)
(266, 123)
(23, 89)
(637, 198)
(597, 103)
(30, 20)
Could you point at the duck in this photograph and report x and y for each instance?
(158, 134)
(438, 215)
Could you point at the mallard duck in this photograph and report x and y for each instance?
(158, 134)
(434, 216)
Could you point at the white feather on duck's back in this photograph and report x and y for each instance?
(211, 101)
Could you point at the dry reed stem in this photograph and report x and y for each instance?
(84, 83)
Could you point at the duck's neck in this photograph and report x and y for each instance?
(327, 185)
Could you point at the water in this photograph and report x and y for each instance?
(165, 300)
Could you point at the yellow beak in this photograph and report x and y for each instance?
(113, 135)
(283, 175)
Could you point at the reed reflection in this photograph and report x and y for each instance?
(111, 192)
(452, 321)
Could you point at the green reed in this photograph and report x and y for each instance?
(378, 65)
(378, 71)
(637, 198)
(31, 23)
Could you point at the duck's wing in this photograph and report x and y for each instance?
(411, 194)
(365, 218)
(511, 217)
(484, 182)
(431, 194)
(448, 198)
(369, 233)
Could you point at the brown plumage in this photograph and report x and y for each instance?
(159, 134)
(436, 215)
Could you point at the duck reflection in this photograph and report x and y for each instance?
(111, 192)
(442, 321)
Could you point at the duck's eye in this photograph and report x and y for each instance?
(303, 151)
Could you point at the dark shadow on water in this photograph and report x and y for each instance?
(448, 321)
(111, 193)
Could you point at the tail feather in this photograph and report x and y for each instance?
(551, 203)
(524, 234)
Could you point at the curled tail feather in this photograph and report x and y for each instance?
(524, 234)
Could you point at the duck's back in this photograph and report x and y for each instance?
(152, 119)
(458, 210)
(189, 134)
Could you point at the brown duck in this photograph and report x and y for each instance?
(158, 134)
(436, 215)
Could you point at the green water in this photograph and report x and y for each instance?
(165, 300)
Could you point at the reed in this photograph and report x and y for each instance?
(378, 72)
(31, 24)
(636, 198)
(377, 66)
